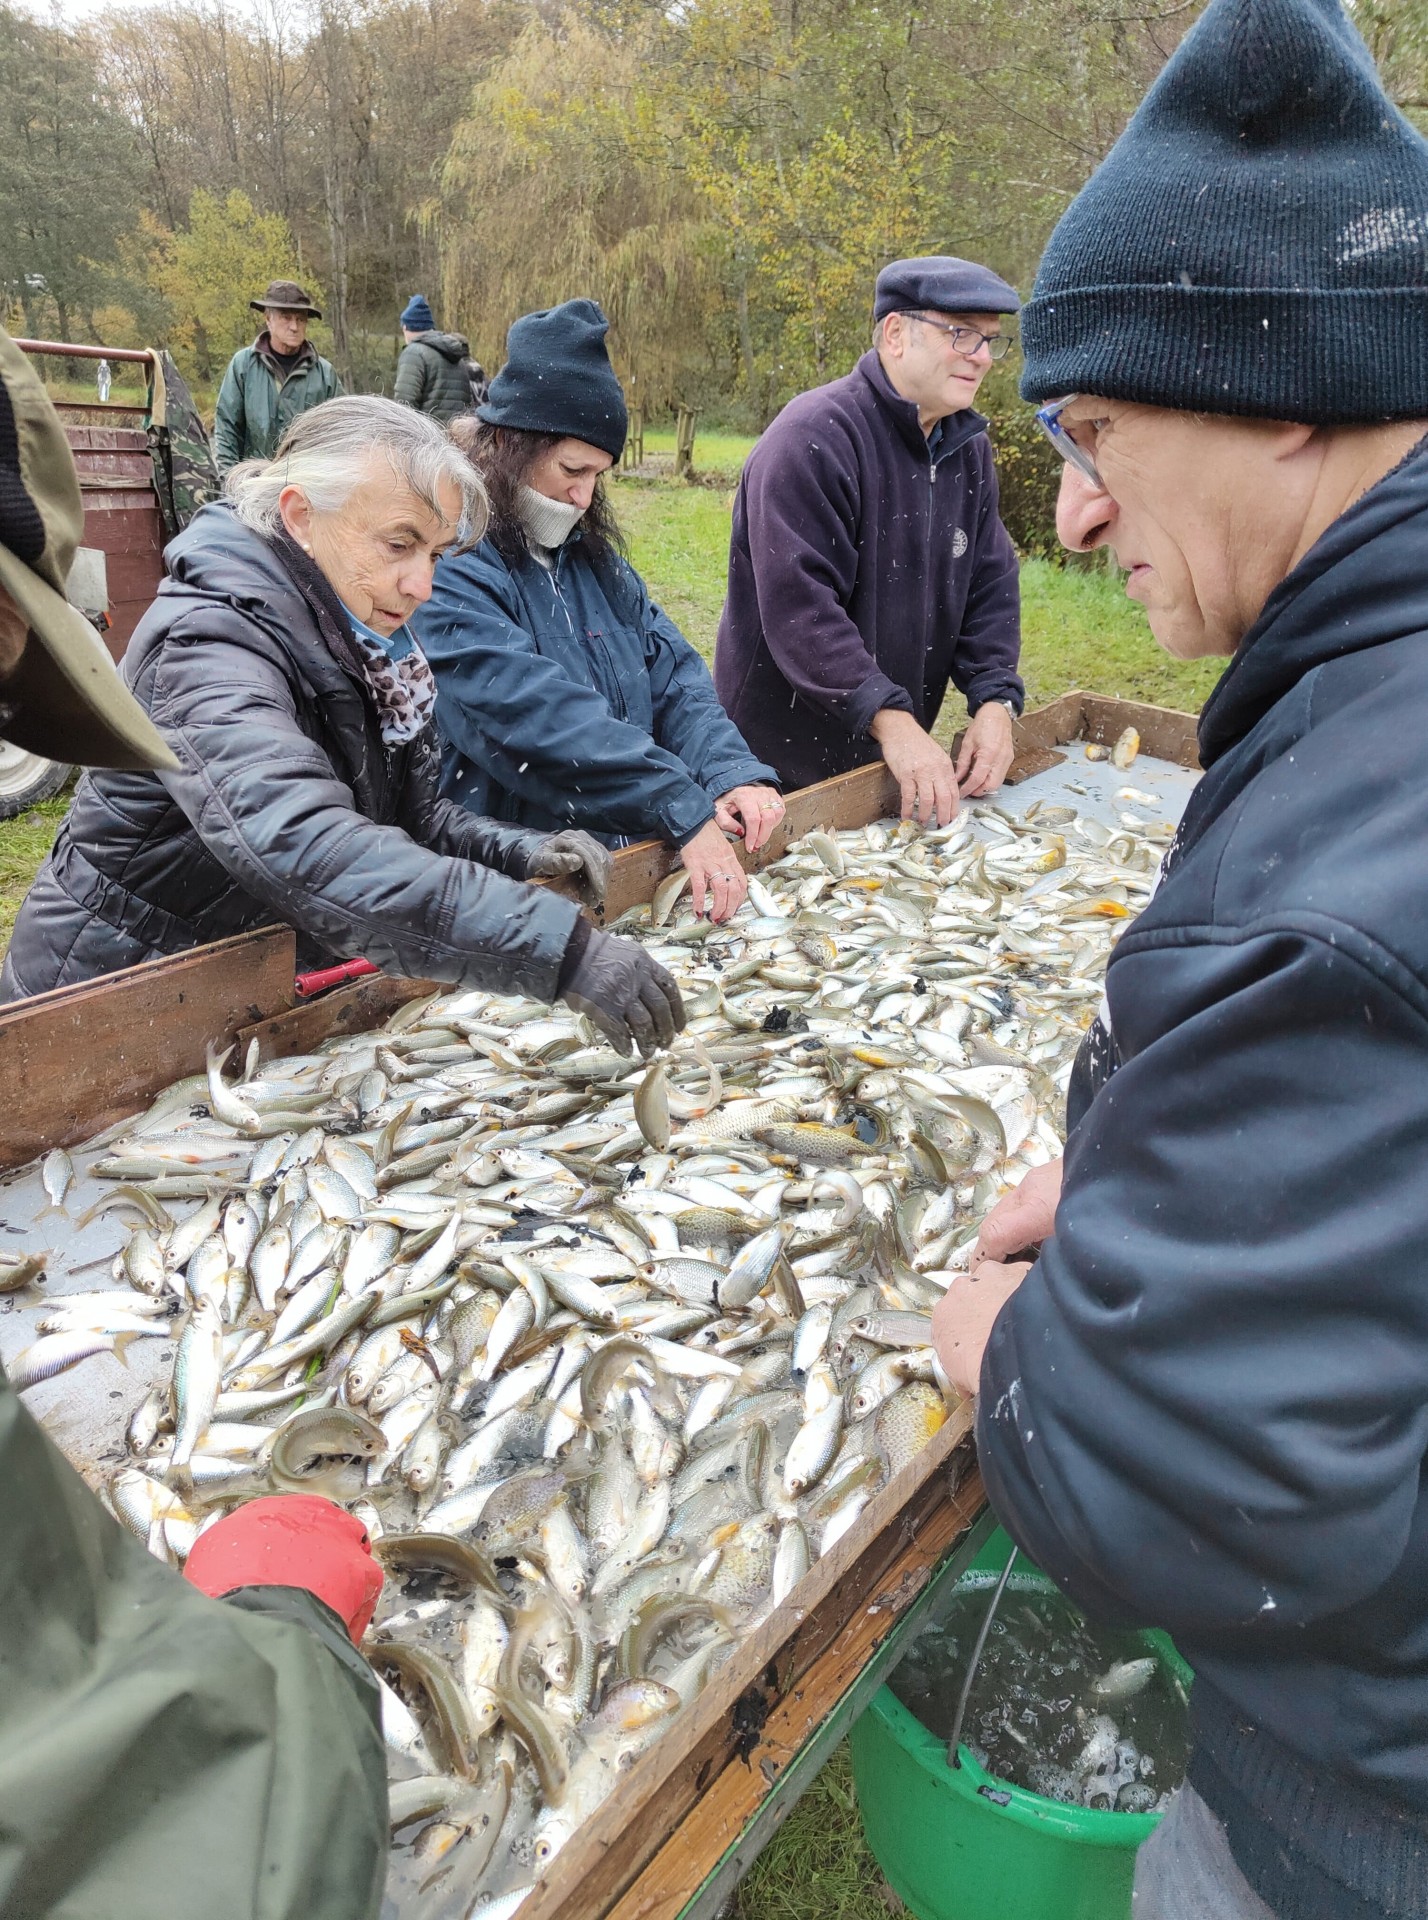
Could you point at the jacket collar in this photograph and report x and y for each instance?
(1361, 584)
(957, 428)
(217, 558)
(263, 346)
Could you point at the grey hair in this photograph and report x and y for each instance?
(327, 451)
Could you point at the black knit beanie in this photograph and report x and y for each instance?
(1256, 242)
(558, 378)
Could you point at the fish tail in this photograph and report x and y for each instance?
(122, 1344)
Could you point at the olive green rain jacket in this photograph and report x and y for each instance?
(257, 405)
(164, 1756)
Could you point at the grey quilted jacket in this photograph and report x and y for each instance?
(432, 376)
(287, 807)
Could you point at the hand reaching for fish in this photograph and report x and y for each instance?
(751, 812)
(1022, 1218)
(292, 1540)
(987, 750)
(630, 998)
(714, 870)
(923, 771)
(963, 1318)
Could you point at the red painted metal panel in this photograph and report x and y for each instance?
(121, 511)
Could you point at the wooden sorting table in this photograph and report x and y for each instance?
(697, 1808)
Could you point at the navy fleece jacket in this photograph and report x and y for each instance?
(866, 570)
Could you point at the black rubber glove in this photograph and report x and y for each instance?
(627, 995)
(575, 853)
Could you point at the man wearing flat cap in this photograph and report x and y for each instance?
(1204, 1406)
(869, 566)
(270, 383)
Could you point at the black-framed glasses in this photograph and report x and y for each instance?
(969, 340)
(1048, 418)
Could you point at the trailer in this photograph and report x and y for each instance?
(124, 452)
(699, 1805)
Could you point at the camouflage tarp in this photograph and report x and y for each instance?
(185, 472)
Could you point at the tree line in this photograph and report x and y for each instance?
(725, 176)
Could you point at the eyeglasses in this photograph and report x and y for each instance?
(1048, 418)
(967, 340)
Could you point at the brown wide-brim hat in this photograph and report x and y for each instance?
(287, 297)
(64, 698)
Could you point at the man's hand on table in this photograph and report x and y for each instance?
(749, 812)
(1022, 1218)
(963, 1318)
(921, 768)
(987, 750)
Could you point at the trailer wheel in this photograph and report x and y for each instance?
(26, 779)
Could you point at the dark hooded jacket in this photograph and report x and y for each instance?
(164, 1755)
(1207, 1405)
(568, 699)
(434, 376)
(287, 806)
(867, 569)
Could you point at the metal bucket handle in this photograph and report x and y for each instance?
(955, 1741)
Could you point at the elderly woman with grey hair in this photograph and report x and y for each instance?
(277, 665)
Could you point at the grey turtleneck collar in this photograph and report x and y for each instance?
(547, 524)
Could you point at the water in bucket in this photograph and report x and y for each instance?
(1077, 1713)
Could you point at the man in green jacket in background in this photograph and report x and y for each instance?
(270, 383)
(170, 1746)
(435, 373)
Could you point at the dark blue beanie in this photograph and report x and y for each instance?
(558, 379)
(417, 315)
(1256, 242)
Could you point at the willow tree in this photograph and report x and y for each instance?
(560, 183)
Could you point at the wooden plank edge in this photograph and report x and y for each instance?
(356, 1008)
(618, 1840)
(1165, 733)
(77, 1059)
(709, 1852)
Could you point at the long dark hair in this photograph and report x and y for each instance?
(506, 457)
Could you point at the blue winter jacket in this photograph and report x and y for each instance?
(565, 698)
(1207, 1405)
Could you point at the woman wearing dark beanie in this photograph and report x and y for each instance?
(1205, 1405)
(566, 698)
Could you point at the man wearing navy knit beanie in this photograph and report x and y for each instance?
(1205, 1405)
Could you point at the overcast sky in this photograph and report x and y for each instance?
(76, 10)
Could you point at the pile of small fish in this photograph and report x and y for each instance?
(604, 1353)
(1077, 1713)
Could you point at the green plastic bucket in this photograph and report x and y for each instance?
(950, 1851)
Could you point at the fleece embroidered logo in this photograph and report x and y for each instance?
(959, 544)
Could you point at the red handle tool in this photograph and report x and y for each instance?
(307, 984)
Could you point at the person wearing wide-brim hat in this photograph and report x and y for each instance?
(270, 383)
(1205, 1406)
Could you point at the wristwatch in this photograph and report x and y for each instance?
(1010, 707)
